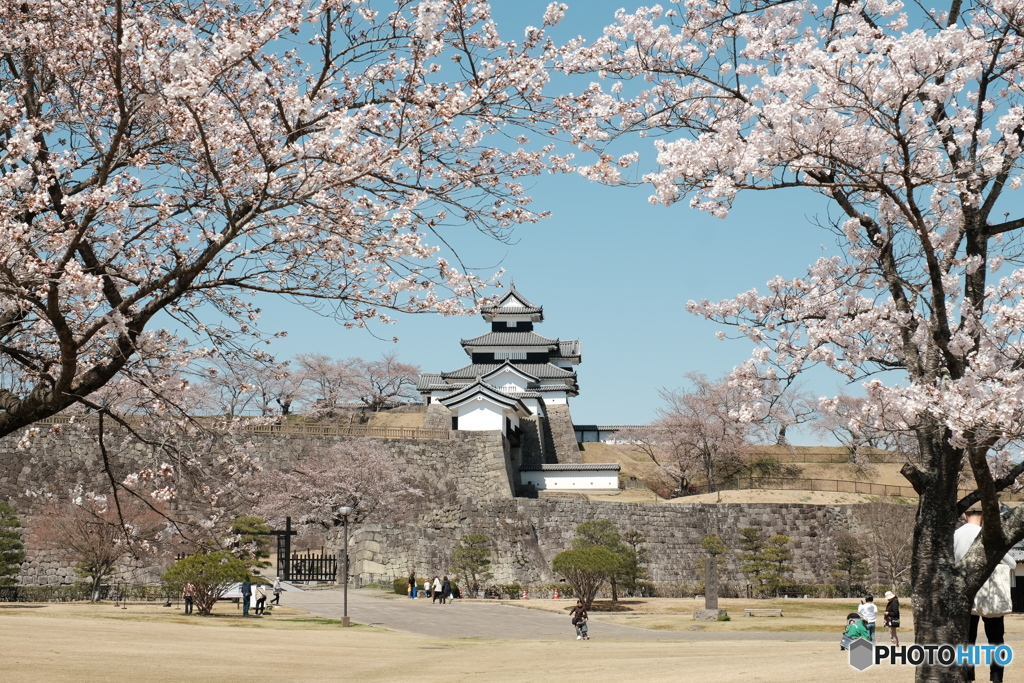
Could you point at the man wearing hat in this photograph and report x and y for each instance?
(993, 599)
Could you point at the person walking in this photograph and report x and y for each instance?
(579, 620)
(412, 585)
(891, 618)
(277, 591)
(993, 599)
(189, 594)
(446, 590)
(435, 591)
(261, 600)
(246, 595)
(869, 613)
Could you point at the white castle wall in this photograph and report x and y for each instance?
(561, 481)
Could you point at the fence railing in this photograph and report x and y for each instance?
(349, 430)
(826, 485)
(297, 428)
(839, 457)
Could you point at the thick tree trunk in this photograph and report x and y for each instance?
(942, 606)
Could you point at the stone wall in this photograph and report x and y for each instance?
(526, 534)
(532, 440)
(469, 488)
(470, 466)
(562, 433)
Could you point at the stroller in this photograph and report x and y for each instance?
(855, 629)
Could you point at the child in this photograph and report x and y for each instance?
(855, 628)
(579, 620)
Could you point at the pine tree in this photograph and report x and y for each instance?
(12, 550)
(752, 562)
(851, 567)
(634, 570)
(777, 558)
(471, 562)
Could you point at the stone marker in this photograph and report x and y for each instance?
(710, 611)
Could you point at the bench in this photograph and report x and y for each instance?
(762, 612)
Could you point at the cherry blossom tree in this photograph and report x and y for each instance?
(361, 474)
(910, 122)
(161, 163)
(703, 431)
(323, 380)
(380, 383)
(697, 437)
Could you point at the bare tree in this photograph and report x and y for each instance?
(889, 531)
(97, 537)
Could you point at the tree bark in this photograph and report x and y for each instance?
(941, 602)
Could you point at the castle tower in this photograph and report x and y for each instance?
(517, 381)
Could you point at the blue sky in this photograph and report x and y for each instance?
(611, 270)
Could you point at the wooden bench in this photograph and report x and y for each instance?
(762, 612)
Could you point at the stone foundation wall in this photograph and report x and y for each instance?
(469, 488)
(526, 534)
(563, 435)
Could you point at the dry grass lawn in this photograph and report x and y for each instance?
(103, 643)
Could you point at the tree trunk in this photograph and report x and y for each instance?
(942, 606)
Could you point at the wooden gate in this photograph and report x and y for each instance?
(310, 567)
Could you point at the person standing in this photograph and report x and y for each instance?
(188, 593)
(261, 600)
(412, 585)
(579, 620)
(277, 591)
(993, 599)
(246, 596)
(868, 611)
(446, 590)
(891, 619)
(435, 591)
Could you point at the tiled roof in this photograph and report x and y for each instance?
(572, 467)
(532, 392)
(538, 370)
(526, 308)
(511, 339)
(480, 387)
(427, 380)
(570, 348)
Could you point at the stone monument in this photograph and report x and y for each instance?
(710, 611)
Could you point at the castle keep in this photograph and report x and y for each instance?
(518, 384)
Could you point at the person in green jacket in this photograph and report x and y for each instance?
(856, 628)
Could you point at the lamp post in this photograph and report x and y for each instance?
(345, 512)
